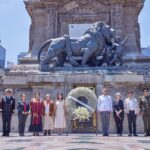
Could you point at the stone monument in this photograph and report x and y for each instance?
(51, 19)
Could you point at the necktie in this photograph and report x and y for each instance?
(7, 99)
(25, 107)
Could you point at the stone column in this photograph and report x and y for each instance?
(51, 21)
(99, 87)
(117, 15)
(124, 18)
(132, 30)
(37, 29)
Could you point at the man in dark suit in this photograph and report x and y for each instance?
(7, 106)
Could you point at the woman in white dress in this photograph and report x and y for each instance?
(60, 119)
(48, 115)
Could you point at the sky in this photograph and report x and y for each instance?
(15, 23)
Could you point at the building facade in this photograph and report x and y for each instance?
(2, 57)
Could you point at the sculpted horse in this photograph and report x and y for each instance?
(88, 46)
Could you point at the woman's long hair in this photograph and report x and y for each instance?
(62, 96)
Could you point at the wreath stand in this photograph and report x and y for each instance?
(71, 123)
(72, 99)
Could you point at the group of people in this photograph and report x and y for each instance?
(130, 106)
(46, 115)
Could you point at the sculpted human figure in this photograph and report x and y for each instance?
(117, 51)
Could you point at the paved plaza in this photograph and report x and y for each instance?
(74, 142)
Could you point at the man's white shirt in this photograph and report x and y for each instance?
(131, 104)
(104, 103)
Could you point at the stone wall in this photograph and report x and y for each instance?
(53, 83)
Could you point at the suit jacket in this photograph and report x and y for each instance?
(20, 107)
(51, 108)
(8, 104)
(144, 104)
(0, 105)
(118, 106)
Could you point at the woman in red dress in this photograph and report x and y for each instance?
(36, 114)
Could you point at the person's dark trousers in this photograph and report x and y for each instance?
(132, 122)
(146, 121)
(119, 124)
(22, 121)
(105, 119)
(6, 118)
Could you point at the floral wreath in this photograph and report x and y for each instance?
(78, 92)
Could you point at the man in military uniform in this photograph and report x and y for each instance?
(144, 105)
(7, 106)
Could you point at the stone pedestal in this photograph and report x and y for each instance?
(28, 79)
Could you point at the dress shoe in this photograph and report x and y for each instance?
(34, 134)
(49, 132)
(7, 134)
(3, 134)
(37, 134)
(135, 135)
(21, 134)
(105, 134)
(145, 134)
(45, 133)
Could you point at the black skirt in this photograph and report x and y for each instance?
(35, 127)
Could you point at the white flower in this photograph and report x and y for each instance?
(81, 113)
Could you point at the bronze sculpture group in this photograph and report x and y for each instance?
(99, 44)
